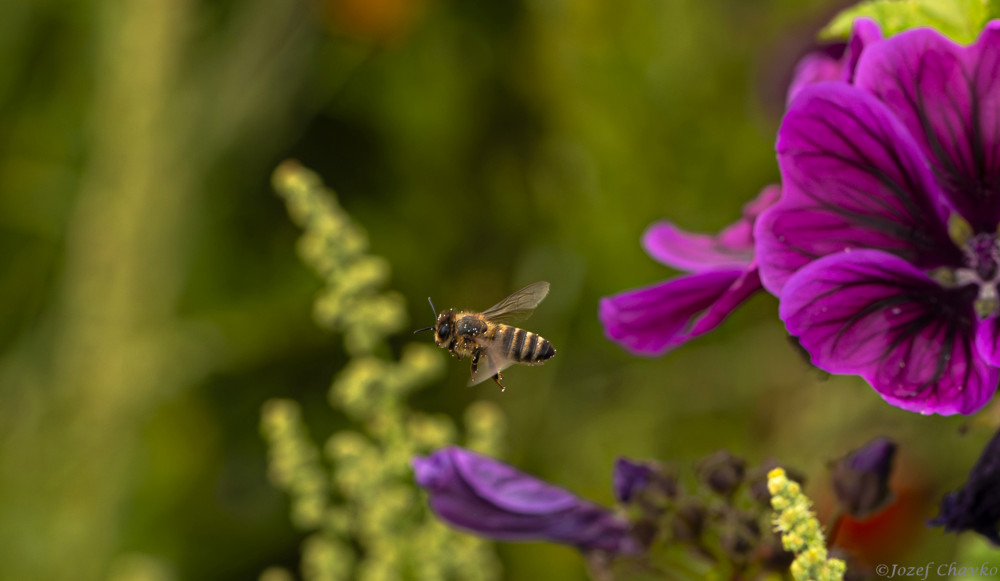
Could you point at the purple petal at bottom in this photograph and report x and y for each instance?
(488, 497)
(873, 314)
(508, 488)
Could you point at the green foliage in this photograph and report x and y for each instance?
(336, 249)
(960, 20)
(369, 499)
(800, 531)
(975, 560)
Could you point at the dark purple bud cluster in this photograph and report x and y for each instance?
(712, 518)
(976, 506)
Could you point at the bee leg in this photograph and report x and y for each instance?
(475, 362)
(497, 379)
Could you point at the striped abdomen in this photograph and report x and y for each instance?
(523, 346)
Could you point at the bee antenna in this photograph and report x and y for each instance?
(433, 312)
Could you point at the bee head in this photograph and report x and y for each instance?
(444, 328)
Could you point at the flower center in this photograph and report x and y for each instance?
(981, 265)
(982, 255)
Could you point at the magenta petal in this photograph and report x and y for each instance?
(948, 96)
(873, 314)
(822, 66)
(864, 33)
(988, 341)
(731, 248)
(654, 319)
(694, 252)
(742, 289)
(852, 177)
(814, 68)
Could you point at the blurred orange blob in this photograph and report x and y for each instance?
(888, 535)
(891, 533)
(380, 21)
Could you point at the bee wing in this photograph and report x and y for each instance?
(519, 304)
(491, 361)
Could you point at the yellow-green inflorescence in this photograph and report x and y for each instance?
(365, 516)
(800, 531)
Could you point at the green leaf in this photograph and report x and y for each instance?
(960, 20)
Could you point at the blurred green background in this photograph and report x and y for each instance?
(152, 299)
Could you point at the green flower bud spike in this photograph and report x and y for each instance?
(358, 502)
(800, 531)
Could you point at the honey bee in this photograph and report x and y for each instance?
(492, 344)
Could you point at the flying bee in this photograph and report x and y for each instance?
(492, 344)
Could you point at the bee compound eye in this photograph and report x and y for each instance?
(444, 330)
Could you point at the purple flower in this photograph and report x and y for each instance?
(493, 499)
(723, 273)
(883, 250)
(861, 478)
(976, 506)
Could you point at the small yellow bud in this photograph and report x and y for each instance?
(959, 230)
